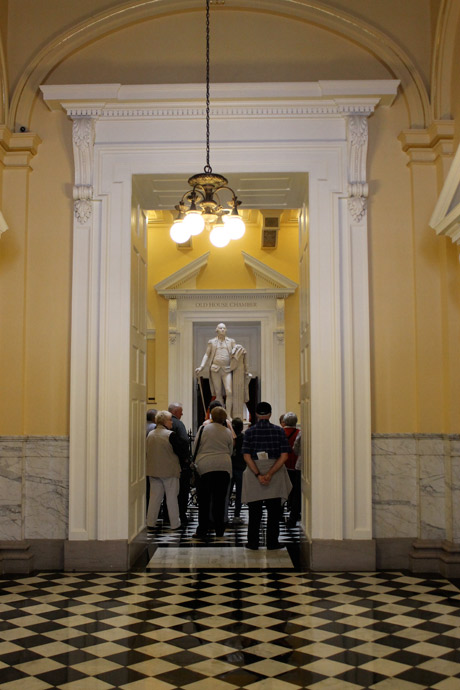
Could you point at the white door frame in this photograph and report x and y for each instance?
(317, 128)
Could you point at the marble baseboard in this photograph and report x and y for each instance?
(48, 553)
(416, 486)
(34, 487)
(16, 558)
(434, 556)
(393, 553)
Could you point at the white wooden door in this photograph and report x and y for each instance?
(138, 366)
(305, 388)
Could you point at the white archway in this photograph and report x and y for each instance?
(317, 128)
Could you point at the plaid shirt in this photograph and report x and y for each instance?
(266, 437)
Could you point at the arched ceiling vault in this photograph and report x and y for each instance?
(3, 86)
(443, 56)
(368, 37)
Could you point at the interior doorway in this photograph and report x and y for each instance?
(309, 133)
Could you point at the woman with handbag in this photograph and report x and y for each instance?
(212, 455)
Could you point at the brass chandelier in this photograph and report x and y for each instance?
(201, 207)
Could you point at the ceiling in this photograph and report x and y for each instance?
(254, 190)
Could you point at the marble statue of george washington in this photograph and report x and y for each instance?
(228, 371)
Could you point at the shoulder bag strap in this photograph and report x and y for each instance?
(195, 453)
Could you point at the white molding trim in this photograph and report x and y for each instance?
(446, 215)
(320, 97)
(282, 141)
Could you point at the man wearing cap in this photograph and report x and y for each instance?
(265, 450)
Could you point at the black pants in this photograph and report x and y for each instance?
(273, 506)
(212, 491)
(294, 500)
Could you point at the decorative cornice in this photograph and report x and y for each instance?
(213, 295)
(218, 111)
(426, 145)
(166, 101)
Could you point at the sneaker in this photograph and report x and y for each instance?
(199, 536)
(252, 548)
(275, 547)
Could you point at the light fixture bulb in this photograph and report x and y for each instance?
(194, 222)
(219, 236)
(179, 233)
(235, 225)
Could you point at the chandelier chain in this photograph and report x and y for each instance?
(201, 207)
(207, 167)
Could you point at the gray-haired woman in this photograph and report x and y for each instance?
(163, 470)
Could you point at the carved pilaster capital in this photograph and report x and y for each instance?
(83, 137)
(83, 207)
(357, 139)
(357, 206)
(83, 210)
(280, 313)
(172, 313)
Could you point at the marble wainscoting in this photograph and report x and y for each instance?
(416, 501)
(34, 496)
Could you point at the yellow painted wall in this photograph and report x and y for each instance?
(225, 270)
(392, 306)
(35, 285)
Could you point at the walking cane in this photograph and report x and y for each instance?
(202, 396)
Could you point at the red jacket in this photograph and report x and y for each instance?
(291, 434)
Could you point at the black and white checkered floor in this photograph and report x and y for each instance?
(178, 548)
(249, 627)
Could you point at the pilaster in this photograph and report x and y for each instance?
(83, 137)
(354, 297)
(85, 329)
(16, 154)
(430, 153)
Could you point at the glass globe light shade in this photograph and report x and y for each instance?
(194, 222)
(235, 225)
(178, 232)
(219, 236)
